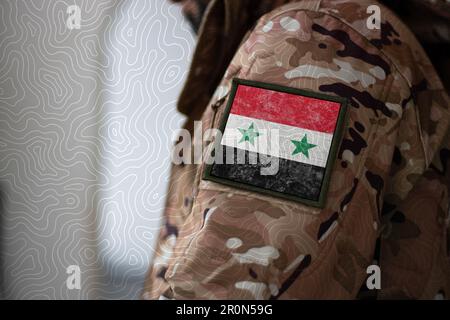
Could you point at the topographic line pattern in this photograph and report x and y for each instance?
(86, 123)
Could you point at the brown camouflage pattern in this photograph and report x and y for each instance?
(390, 180)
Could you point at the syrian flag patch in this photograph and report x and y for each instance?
(278, 140)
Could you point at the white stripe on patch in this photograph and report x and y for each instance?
(272, 132)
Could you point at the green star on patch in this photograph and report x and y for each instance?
(302, 146)
(249, 135)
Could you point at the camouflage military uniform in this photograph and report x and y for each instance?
(390, 180)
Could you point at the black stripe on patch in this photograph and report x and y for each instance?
(294, 178)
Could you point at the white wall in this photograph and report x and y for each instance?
(148, 50)
(85, 119)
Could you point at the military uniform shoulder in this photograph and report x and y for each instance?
(390, 36)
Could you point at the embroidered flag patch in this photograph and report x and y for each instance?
(278, 140)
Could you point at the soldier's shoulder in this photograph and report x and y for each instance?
(393, 39)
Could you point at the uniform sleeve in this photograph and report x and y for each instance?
(416, 207)
(241, 244)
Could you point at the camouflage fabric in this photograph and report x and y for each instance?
(390, 180)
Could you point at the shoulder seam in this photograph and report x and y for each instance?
(392, 63)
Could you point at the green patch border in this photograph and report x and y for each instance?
(335, 143)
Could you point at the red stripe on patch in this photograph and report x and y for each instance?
(286, 108)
